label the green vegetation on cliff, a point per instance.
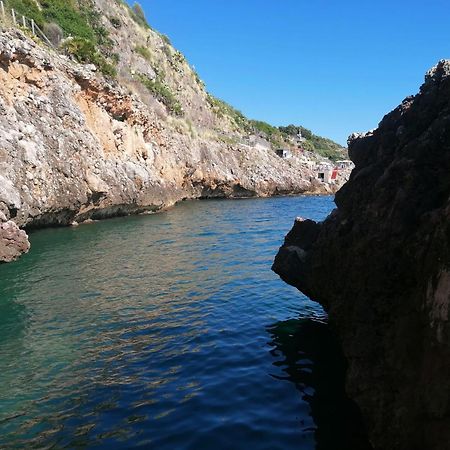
(273, 134)
(280, 136)
(77, 27)
(223, 109)
(136, 12)
(322, 146)
(27, 8)
(144, 52)
(80, 23)
(162, 93)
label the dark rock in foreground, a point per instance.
(380, 265)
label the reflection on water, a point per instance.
(152, 332)
(309, 356)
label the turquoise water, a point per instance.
(169, 332)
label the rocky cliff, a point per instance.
(76, 145)
(380, 265)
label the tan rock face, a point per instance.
(380, 266)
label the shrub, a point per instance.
(106, 68)
(136, 13)
(115, 57)
(178, 57)
(85, 51)
(66, 14)
(102, 36)
(115, 22)
(82, 49)
(293, 130)
(264, 127)
(271, 133)
(139, 16)
(144, 52)
(198, 80)
(162, 93)
(54, 33)
(165, 39)
(222, 109)
(316, 144)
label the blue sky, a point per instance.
(334, 67)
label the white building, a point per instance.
(325, 172)
(345, 164)
(283, 153)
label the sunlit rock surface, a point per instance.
(75, 146)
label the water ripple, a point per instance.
(164, 331)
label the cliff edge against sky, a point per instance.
(117, 122)
(380, 265)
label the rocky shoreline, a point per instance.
(14, 241)
(76, 146)
(380, 266)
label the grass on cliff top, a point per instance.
(68, 14)
(79, 21)
(28, 8)
(223, 109)
(136, 13)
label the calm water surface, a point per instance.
(169, 332)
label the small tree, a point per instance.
(140, 15)
(54, 33)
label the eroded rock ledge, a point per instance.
(380, 265)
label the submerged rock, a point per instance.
(380, 265)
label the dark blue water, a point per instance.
(169, 332)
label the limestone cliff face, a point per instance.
(75, 146)
(380, 265)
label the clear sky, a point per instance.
(332, 66)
